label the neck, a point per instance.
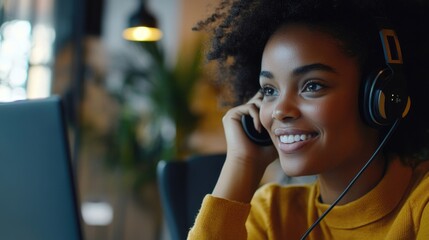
(333, 184)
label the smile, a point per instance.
(295, 138)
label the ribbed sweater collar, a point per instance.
(376, 204)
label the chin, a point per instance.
(295, 167)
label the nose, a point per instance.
(286, 109)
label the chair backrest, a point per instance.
(183, 185)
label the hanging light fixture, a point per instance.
(142, 26)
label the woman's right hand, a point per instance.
(245, 161)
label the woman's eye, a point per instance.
(313, 87)
(268, 91)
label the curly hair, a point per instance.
(240, 30)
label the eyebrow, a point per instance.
(303, 70)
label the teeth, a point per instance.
(294, 138)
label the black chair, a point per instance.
(183, 185)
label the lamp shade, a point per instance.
(142, 26)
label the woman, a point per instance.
(303, 69)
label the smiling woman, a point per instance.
(301, 98)
(330, 81)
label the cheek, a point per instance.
(265, 115)
(334, 113)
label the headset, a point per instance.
(385, 96)
(385, 102)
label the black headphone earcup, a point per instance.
(384, 100)
(369, 101)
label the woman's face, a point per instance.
(310, 103)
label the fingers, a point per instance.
(254, 113)
(254, 105)
(250, 108)
(257, 99)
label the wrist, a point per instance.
(238, 180)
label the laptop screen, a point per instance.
(38, 196)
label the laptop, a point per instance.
(38, 198)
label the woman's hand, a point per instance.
(245, 161)
(239, 146)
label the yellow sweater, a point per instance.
(397, 208)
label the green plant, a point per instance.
(143, 138)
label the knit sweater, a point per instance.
(397, 208)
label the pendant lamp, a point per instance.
(142, 26)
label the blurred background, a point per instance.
(129, 104)
(132, 98)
